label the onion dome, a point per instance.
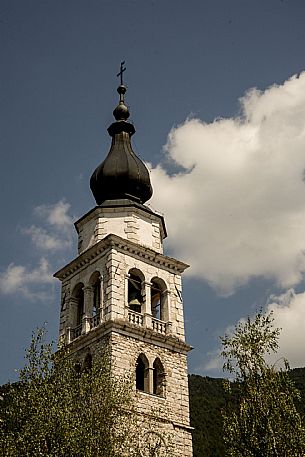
(122, 174)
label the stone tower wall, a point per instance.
(113, 258)
(167, 415)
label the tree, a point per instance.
(261, 420)
(56, 410)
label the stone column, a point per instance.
(165, 312)
(68, 335)
(101, 304)
(88, 303)
(126, 308)
(147, 306)
(149, 380)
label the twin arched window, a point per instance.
(150, 379)
(136, 295)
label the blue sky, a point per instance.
(231, 171)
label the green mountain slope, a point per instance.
(207, 398)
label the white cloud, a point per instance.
(214, 362)
(55, 234)
(59, 232)
(237, 210)
(44, 240)
(56, 214)
(289, 314)
(27, 282)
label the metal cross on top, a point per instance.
(122, 69)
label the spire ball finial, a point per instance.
(122, 89)
(121, 112)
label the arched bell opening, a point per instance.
(95, 283)
(158, 299)
(142, 373)
(158, 378)
(78, 296)
(88, 363)
(135, 290)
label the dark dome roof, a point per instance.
(122, 174)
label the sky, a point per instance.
(216, 91)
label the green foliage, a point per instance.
(297, 375)
(208, 399)
(262, 421)
(55, 411)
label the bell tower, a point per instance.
(121, 290)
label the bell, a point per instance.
(134, 302)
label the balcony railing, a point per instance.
(158, 326)
(76, 332)
(135, 318)
(151, 322)
(94, 321)
(87, 325)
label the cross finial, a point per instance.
(122, 69)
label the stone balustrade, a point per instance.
(95, 320)
(135, 318)
(75, 332)
(158, 326)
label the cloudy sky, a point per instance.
(216, 90)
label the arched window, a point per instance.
(96, 297)
(88, 362)
(77, 368)
(142, 373)
(95, 283)
(158, 378)
(135, 293)
(80, 307)
(78, 295)
(158, 302)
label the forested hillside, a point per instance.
(207, 398)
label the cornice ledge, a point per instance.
(149, 335)
(148, 253)
(115, 241)
(133, 331)
(84, 258)
(183, 426)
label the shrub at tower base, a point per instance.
(56, 411)
(261, 420)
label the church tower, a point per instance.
(121, 289)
